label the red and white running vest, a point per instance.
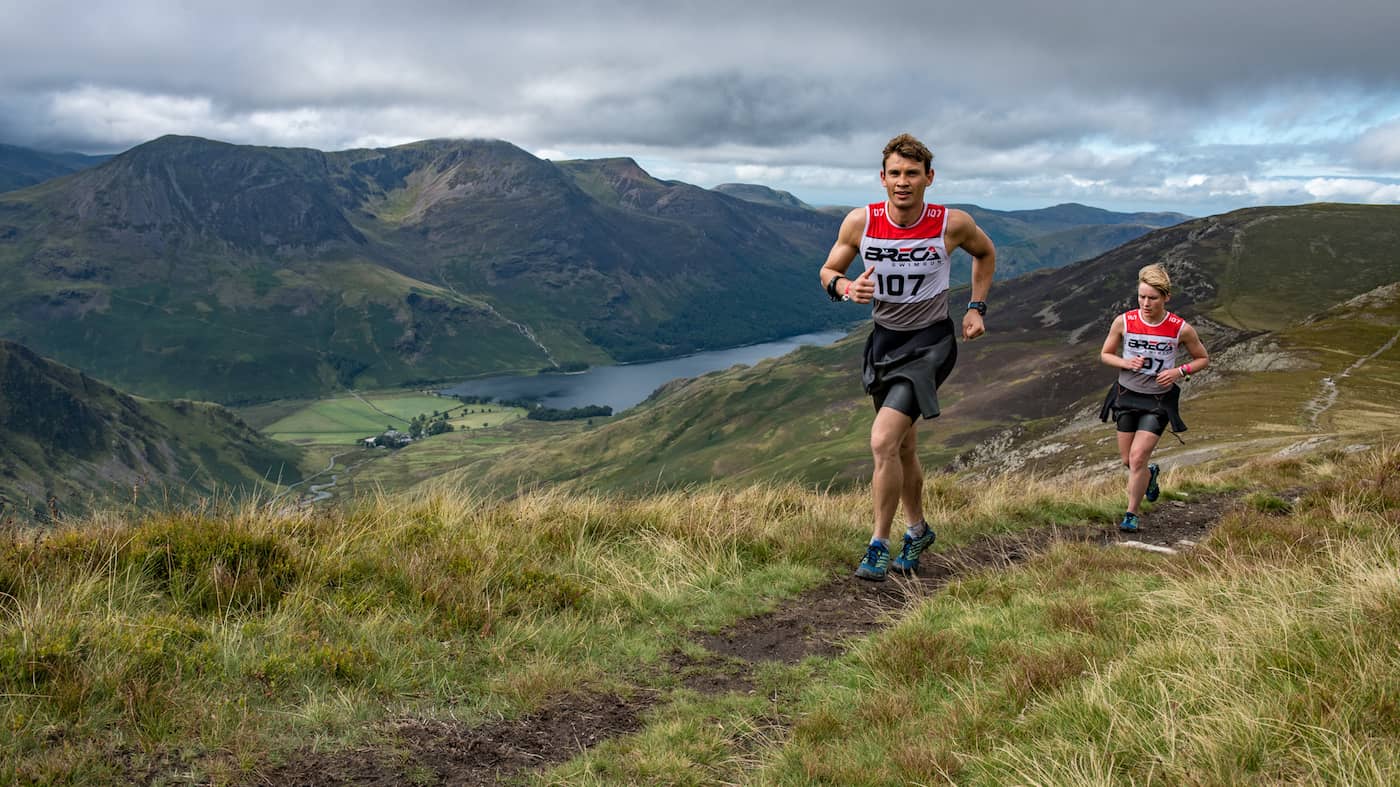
(911, 266)
(1156, 343)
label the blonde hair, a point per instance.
(1155, 275)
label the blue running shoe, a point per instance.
(876, 563)
(1129, 523)
(1152, 489)
(908, 560)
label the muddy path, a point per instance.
(822, 622)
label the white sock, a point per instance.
(918, 529)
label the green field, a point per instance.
(464, 450)
(344, 420)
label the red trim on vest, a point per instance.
(1171, 326)
(930, 225)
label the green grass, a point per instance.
(1266, 657)
(209, 643)
(344, 420)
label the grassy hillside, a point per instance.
(1030, 240)
(1326, 382)
(69, 444)
(804, 417)
(235, 645)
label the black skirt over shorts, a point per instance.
(1125, 400)
(921, 358)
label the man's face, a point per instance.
(905, 181)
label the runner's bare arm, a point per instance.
(845, 249)
(964, 233)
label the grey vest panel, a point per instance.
(910, 316)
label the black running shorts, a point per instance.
(1139, 421)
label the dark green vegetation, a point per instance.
(21, 167)
(1035, 375)
(569, 414)
(186, 267)
(70, 444)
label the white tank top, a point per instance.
(1156, 343)
(911, 267)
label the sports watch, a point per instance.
(980, 306)
(831, 290)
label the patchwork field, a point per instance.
(345, 420)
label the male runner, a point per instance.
(905, 245)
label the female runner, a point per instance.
(1142, 345)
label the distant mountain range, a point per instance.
(69, 443)
(191, 268)
(1029, 240)
(21, 167)
(1026, 240)
(763, 195)
(1240, 278)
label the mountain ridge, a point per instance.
(494, 261)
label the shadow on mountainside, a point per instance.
(819, 622)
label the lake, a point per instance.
(624, 385)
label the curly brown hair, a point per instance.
(908, 147)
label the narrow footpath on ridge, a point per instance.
(822, 621)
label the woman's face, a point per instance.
(1151, 300)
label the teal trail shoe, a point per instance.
(908, 560)
(1153, 491)
(1129, 523)
(876, 563)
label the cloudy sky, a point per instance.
(1196, 106)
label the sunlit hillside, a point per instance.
(387, 641)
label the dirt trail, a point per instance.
(821, 621)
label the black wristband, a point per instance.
(831, 288)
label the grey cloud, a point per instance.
(1005, 91)
(769, 111)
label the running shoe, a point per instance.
(1152, 489)
(876, 563)
(908, 560)
(1129, 523)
